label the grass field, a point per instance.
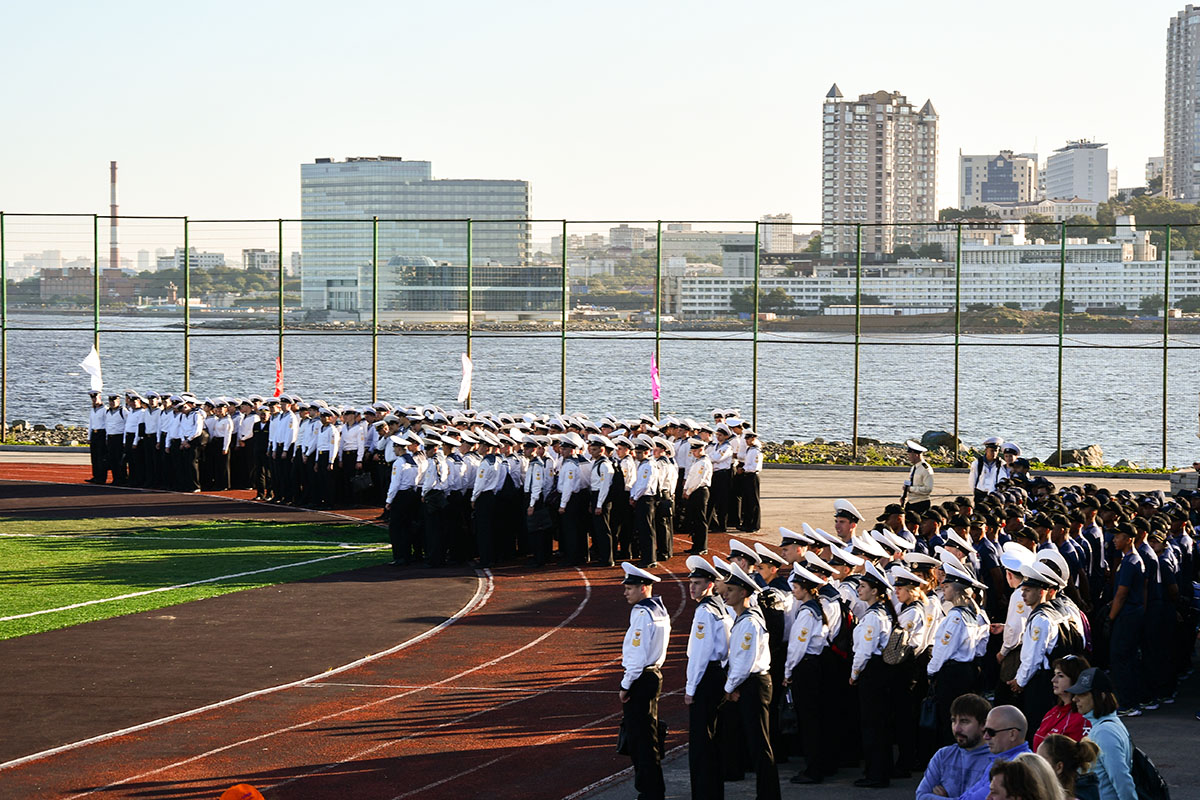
(47, 569)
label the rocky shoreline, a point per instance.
(871, 452)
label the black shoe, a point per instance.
(695, 552)
(867, 783)
(651, 565)
(801, 778)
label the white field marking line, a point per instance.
(453, 688)
(578, 610)
(211, 540)
(483, 592)
(192, 583)
(212, 496)
(549, 690)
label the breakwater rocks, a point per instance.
(21, 432)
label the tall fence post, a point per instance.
(1166, 332)
(857, 327)
(562, 354)
(1062, 327)
(754, 331)
(658, 305)
(470, 293)
(187, 310)
(957, 327)
(374, 308)
(3, 337)
(96, 282)
(279, 349)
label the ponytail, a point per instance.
(1076, 757)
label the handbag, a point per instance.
(622, 740)
(928, 718)
(789, 723)
(1010, 665)
(361, 482)
(898, 648)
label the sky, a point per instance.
(619, 110)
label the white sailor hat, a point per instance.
(788, 536)
(738, 577)
(732, 412)
(694, 443)
(151, 394)
(451, 441)
(903, 577)
(722, 567)
(94, 392)
(898, 541)
(885, 540)
(718, 413)
(873, 575)
(736, 548)
(915, 447)
(398, 440)
(994, 441)
(723, 428)
(1015, 556)
(643, 442)
(920, 561)
(636, 576)
(814, 561)
(823, 537)
(766, 554)
(803, 576)
(702, 569)
(1039, 574)
(868, 546)
(949, 558)
(957, 574)
(844, 508)
(623, 439)
(734, 422)
(646, 419)
(1054, 559)
(468, 437)
(254, 398)
(1012, 447)
(838, 553)
(955, 538)
(667, 447)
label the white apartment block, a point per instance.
(879, 168)
(1080, 169)
(196, 259)
(1057, 210)
(775, 233)
(999, 178)
(1120, 272)
(1181, 130)
(628, 238)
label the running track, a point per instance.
(515, 698)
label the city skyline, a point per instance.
(650, 114)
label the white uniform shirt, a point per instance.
(807, 636)
(709, 640)
(405, 474)
(912, 619)
(721, 455)
(114, 421)
(752, 459)
(601, 483)
(223, 429)
(749, 652)
(668, 475)
(437, 474)
(489, 476)
(628, 467)
(698, 474)
(646, 482)
(956, 638)
(97, 418)
(984, 478)
(535, 479)
(1014, 622)
(568, 480)
(934, 614)
(1041, 636)
(246, 427)
(328, 438)
(920, 482)
(870, 637)
(646, 640)
(132, 420)
(354, 443)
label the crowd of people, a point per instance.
(455, 487)
(1065, 607)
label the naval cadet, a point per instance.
(601, 500)
(953, 669)
(873, 677)
(642, 655)
(696, 485)
(704, 694)
(114, 443)
(752, 463)
(807, 640)
(642, 496)
(918, 486)
(845, 520)
(97, 437)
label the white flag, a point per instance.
(91, 365)
(464, 389)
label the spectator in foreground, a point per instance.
(1071, 760)
(1005, 734)
(1094, 699)
(958, 766)
(1063, 718)
(1026, 777)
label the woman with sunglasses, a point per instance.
(1063, 718)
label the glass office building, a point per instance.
(422, 261)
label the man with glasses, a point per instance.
(1004, 733)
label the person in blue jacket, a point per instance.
(1094, 699)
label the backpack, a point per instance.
(843, 643)
(1147, 779)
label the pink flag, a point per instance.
(655, 386)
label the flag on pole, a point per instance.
(91, 365)
(655, 386)
(278, 376)
(464, 389)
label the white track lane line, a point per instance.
(190, 583)
(578, 610)
(483, 592)
(452, 688)
(549, 690)
(209, 539)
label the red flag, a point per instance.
(278, 376)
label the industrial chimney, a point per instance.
(114, 254)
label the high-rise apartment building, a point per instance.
(775, 233)
(1181, 130)
(1000, 178)
(421, 237)
(627, 238)
(879, 169)
(1154, 168)
(1080, 169)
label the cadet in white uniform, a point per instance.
(642, 496)
(696, 484)
(97, 437)
(807, 640)
(1041, 634)
(918, 486)
(601, 501)
(953, 669)
(752, 462)
(749, 680)
(872, 677)
(642, 655)
(707, 653)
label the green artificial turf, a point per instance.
(63, 562)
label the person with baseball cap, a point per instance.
(642, 655)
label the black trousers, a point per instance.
(751, 513)
(133, 461)
(874, 704)
(641, 732)
(621, 522)
(719, 500)
(643, 523)
(920, 507)
(575, 526)
(402, 525)
(754, 702)
(189, 460)
(485, 543)
(114, 457)
(696, 518)
(258, 472)
(839, 699)
(664, 526)
(602, 540)
(733, 505)
(433, 507)
(704, 758)
(1037, 698)
(820, 754)
(96, 445)
(953, 679)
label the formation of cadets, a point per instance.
(858, 632)
(455, 486)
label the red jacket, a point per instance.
(1061, 719)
